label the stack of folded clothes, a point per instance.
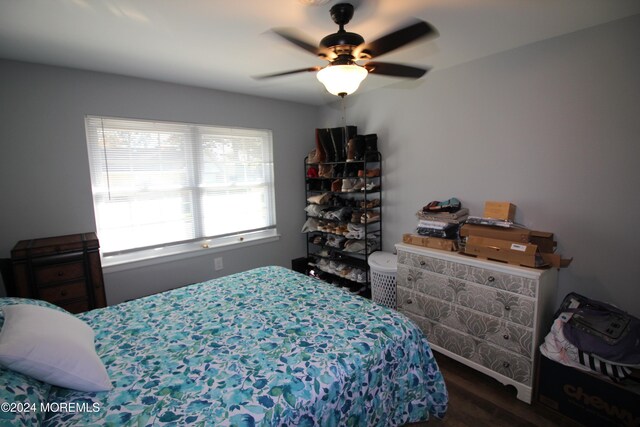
(441, 219)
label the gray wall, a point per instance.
(553, 127)
(44, 173)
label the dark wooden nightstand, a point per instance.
(63, 270)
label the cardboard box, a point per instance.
(521, 235)
(524, 254)
(555, 260)
(431, 242)
(499, 210)
(544, 241)
(588, 399)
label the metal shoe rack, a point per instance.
(335, 252)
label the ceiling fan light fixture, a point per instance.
(342, 80)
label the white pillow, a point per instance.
(51, 346)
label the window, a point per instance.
(162, 183)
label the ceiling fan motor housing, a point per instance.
(342, 42)
(343, 38)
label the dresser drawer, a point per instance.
(509, 306)
(50, 274)
(492, 329)
(67, 291)
(497, 359)
(495, 279)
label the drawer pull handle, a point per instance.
(422, 263)
(63, 293)
(505, 336)
(506, 364)
(491, 279)
(409, 301)
(507, 307)
(409, 279)
(60, 273)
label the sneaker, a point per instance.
(369, 173)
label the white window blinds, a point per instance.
(161, 183)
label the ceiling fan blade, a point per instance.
(394, 40)
(396, 70)
(285, 73)
(298, 39)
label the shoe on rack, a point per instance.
(325, 171)
(359, 184)
(341, 230)
(338, 141)
(311, 224)
(360, 147)
(371, 147)
(351, 150)
(369, 173)
(324, 138)
(336, 185)
(311, 157)
(370, 204)
(369, 217)
(350, 185)
(319, 199)
(370, 187)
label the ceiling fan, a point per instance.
(343, 49)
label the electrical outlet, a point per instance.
(217, 264)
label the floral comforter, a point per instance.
(265, 347)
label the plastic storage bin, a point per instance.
(384, 266)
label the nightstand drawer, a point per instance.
(58, 273)
(60, 293)
(509, 306)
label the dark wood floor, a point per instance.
(478, 400)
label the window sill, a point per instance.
(144, 258)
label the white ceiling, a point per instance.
(221, 44)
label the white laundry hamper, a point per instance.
(384, 266)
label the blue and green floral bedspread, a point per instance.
(265, 347)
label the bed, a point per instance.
(268, 346)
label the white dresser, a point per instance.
(487, 315)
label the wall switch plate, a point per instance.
(217, 264)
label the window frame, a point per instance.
(197, 186)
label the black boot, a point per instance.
(351, 150)
(351, 131)
(324, 137)
(337, 139)
(371, 147)
(340, 137)
(360, 147)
